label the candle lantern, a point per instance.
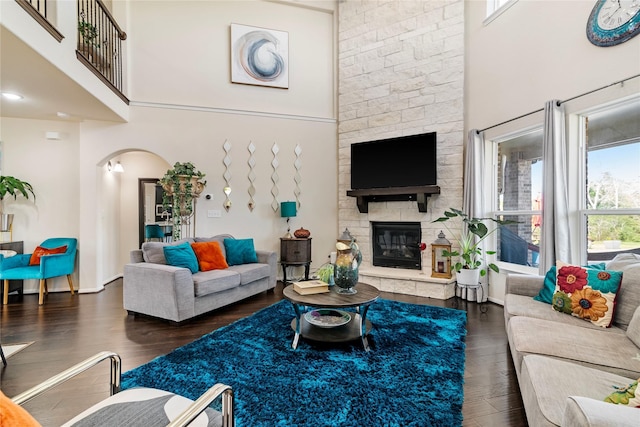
(440, 264)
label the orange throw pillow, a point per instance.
(40, 251)
(12, 415)
(209, 256)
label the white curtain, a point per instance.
(473, 201)
(555, 239)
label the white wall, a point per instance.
(534, 52)
(183, 107)
(50, 166)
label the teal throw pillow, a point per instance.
(549, 287)
(240, 251)
(181, 255)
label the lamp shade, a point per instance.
(287, 209)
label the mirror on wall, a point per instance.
(150, 209)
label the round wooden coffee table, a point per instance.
(357, 327)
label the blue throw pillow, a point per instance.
(549, 287)
(181, 256)
(240, 251)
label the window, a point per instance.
(496, 7)
(519, 197)
(612, 193)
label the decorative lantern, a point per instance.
(440, 264)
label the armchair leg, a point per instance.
(70, 283)
(42, 286)
(5, 293)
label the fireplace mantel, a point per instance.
(419, 194)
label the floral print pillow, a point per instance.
(587, 293)
(629, 395)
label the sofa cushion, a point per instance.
(240, 251)
(209, 256)
(13, 415)
(217, 238)
(546, 384)
(154, 252)
(629, 294)
(210, 282)
(598, 348)
(181, 255)
(586, 293)
(633, 331)
(251, 272)
(522, 305)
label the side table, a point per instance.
(14, 285)
(295, 251)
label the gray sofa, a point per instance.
(566, 366)
(156, 289)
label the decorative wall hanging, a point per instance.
(297, 178)
(251, 176)
(259, 56)
(227, 174)
(274, 177)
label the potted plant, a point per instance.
(89, 33)
(181, 185)
(11, 186)
(471, 255)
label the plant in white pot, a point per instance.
(473, 231)
(12, 186)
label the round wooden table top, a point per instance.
(366, 294)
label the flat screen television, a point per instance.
(404, 161)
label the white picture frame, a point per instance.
(259, 56)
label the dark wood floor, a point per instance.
(68, 329)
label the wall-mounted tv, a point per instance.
(404, 161)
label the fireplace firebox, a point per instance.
(396, 244)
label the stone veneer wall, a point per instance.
(401, 72)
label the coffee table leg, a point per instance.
(296, 307)
(362, 310)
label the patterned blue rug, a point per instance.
(413, 375)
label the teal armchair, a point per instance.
(17, 267)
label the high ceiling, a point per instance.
(45, 89)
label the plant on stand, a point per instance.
(182, 185)
(471, 255)
(11, 186)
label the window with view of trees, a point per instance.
(612, 199)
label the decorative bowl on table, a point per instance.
(327, 317)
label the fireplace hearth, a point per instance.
(396, 244)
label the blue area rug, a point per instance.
(413, 375)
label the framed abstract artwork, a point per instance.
(259, 56)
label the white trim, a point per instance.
(493, 14)
(232, 111)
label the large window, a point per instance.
(519, 196)
(612, 193)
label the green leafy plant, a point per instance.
(181, 185)
(12, 186)
(473, 232)
(89, 33)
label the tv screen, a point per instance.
(404, 161)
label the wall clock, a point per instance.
(613, 22)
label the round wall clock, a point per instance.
(613, 22)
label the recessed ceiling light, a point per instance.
(11, 96)
(62, 115)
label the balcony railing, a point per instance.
(39, 10)
(100, 43)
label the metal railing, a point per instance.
(100, 43)
(39, 10)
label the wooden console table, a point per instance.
(14, 285)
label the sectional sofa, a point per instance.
(567, 366)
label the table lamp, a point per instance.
(287, 210)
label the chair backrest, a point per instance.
(65, 263)
(153, 231)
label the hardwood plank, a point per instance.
(67, 329)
